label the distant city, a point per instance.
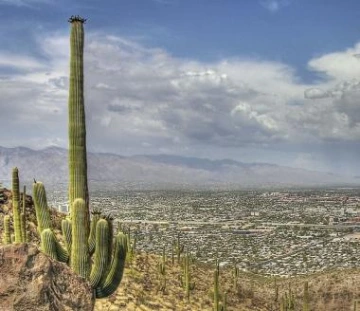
(282, 233)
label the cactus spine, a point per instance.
(16, 205)
(78, 187)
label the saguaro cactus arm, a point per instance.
(101, 254)
(41, 207)
(113, 279)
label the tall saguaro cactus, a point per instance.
(105, 269)
(78, 187)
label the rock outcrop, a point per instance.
(31, 281)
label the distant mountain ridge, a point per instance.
(50, 166)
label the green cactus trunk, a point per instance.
(306, 297)
(41, 207)
(92, 236)
(48, 243)
(109, 285)
(7, 234)
(80, 258)
(66, 229)
(101, 253)
(188, 285)
(216, 291)
(16, 205)
(78, 187)
(23, 227)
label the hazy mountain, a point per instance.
(50, 166)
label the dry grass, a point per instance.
(139, 290)
(329, 291)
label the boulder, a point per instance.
(30, 280)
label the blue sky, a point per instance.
(270, 81)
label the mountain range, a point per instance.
(165, 171)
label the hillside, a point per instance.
(50, 166)
(330, 291)
(140, 288)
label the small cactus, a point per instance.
(16, 205)
(7, 234)
(162, 271)
(189, 286)
(235, 276)
(306, 297)
(179, 248)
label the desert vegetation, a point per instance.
(217, 252)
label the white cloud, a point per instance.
(19, 61)
(274, 5)
(341, 65)
(315, 93)
(140, 98)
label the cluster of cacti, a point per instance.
(105, 273)
(82, 238)
(162, 271)
(288, 301)
(186, 279)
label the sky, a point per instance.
(275, 81)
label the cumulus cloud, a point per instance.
(142, 99)
(315, 93)
(19, 62)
